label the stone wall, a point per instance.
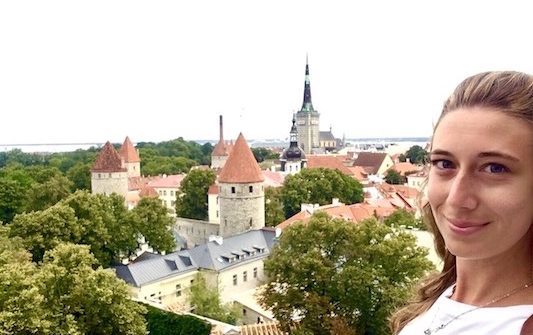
(242, 208)
(195, 232)
(109, 182)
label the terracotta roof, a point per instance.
(371, 161)
(241, 166)
(267, 328)
(213, 189)
(355, 213)
(148, 191)
(108, 160)
(164, 181)
(358, 172)
(128, 152)
(222, 148)
(328, 161)
(404, 168)
(273, 179)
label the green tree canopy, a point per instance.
(66, 294)
(336, 274)
(191, 199)
(394, 178)
(261, 154)
(206, 301)
(416, 154)
(99, 221)
(167, 323)
(401, 218)
(318, 186)
(273, 207)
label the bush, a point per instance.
(166, 323)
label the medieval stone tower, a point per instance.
(241, 195)
(308, 119)
(131, 158)
(108, 174)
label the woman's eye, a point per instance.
(442, 164)
(495, 168)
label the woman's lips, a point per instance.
(463, 227)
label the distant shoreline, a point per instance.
(69, 147)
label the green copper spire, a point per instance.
(307, 105)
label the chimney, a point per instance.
(221, 129)
(217, 239)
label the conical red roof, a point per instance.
(220, 149)
(241, 166)
(108, 160)
(128, 152)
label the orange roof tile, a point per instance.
(170, 181)
(108, 160)
(128, 152)
(241, 166)
(358, 172)
(328, 161)
(273, 179)
(148, 191)
(213, 189)
(404, 168)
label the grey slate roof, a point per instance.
(326, 136)
(234, 250)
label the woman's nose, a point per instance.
(462, 191)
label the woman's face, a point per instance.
(480, 184)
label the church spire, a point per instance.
(307, 105)
(294, 133)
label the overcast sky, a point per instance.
(91, 71)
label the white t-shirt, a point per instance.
(487, 320)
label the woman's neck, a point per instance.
(481, 281)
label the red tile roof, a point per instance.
(148, 191)
(213, 189)
(328, 161)
(222, 148)
(404, 168)
(241, 166)
(108, 160)
(128, 152)
(170, 181)
(273, 179)
(371, 161)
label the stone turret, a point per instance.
(131, 158)
(241, 195)
(108, 174)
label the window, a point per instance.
(217, 214)
(172, 193)
(244, 312)
(192, 281)
(217, 200)
(251, 189)
(165, 192)
(99, 176)
(245, 276)
(110, 175)
(234, 280)
(178, 290)
(255, 272)
(233, 189)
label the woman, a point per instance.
(480, 192)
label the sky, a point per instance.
(91, 71)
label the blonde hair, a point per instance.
(508, 92)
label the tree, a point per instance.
(153, 219)
(167, 323)
(206, 301)
(191, 199)
(48, 193)
(12, 199)
(318, 186)
(401, 218)
(402, 158)
(262, 154)
(393, 177)
(273, 207)
(65, 294)
(416, 154)
(80, 176)
(102, 222)
(336, 274)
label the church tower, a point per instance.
(241, 195)
(131, 158)
(308, 119)
(293, 158)
(108, 174)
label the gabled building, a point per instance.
(231, 265)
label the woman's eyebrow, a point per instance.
(498, 154)
(440, 152)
